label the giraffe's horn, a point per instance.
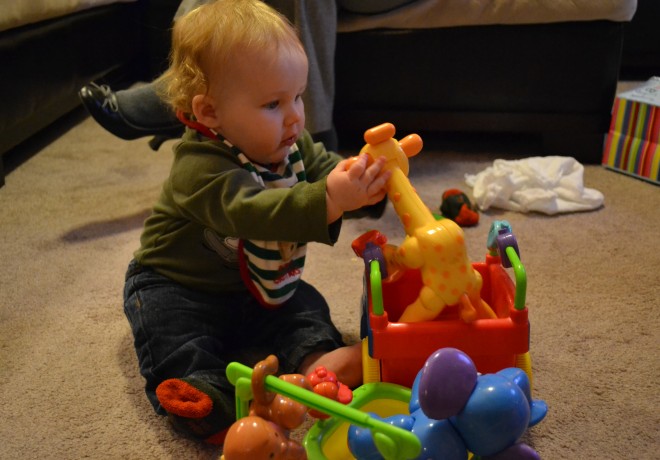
(379, 133)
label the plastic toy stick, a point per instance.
(393, 443)
(376, 288)
(521, 278)
(502, 241)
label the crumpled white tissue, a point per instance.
(550, 185)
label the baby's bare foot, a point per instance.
(346, 362)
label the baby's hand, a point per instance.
(350, 188)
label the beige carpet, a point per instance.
(71, 217)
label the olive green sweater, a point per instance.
(209, 201)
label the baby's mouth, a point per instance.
(289, 141)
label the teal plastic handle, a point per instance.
(393, 443)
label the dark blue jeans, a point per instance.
(181, 332)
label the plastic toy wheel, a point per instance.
(370, 366)
(524, 362)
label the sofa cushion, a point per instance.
(371, 6)
(426, 14)
(16, 14)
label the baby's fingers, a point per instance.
(373, 170)
(380, 180)
(355, 166)
(377, 197)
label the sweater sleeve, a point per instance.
(208, 186)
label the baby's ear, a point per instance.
(203, 108)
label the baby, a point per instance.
(217, 277)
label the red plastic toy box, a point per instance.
(395, 352)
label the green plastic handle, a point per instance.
(375, 280)
(396, 443)
(521, 278)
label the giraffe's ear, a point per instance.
(411, 145)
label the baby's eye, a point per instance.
(272, 105)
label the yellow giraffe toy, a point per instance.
(435, 247)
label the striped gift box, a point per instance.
(632, 145)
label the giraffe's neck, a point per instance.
(411, 210)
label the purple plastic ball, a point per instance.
(516, 452)
(447, 380)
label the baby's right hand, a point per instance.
(360, 184)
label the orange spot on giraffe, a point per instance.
(406, 219)
(396, 197)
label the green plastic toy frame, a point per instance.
(393, 443)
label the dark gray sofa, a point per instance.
(44, 64)
(554, 81)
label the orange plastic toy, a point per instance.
(263, 435)
(434, 247)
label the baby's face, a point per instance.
(260, 107)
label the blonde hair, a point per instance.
(210, 36)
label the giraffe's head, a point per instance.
(381, 143)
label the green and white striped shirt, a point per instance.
(272, 269)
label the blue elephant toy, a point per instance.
(454, 410)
